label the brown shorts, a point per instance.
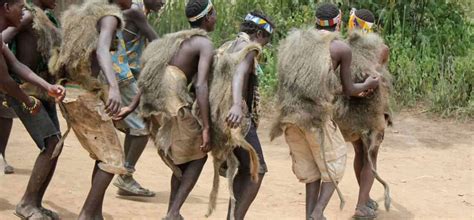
(94, 129)
(305, 150)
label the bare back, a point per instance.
(190, 54)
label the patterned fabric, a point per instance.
(330, 22)
(356, 22)
(120, 59)
(262, 23)
(136, 46)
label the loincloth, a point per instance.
(94, 129)
(307, 155)
(177, 132)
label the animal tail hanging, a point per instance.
(215, 188)
(387, 199)
(322, 138)
(232, 164)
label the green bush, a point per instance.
(431, 43)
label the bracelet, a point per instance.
(32, 108)
(5, 104)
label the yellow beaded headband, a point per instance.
(355, 21)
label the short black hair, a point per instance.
(193, 8)
(250, 27)
(327, 11)
(365, 15)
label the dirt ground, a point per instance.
(427, 162)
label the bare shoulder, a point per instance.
(202, 42)
(339, 48)
(134, 14)
(26, 19)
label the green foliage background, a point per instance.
(431, 43)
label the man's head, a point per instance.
(46, 4)
(12, 11)
(201, 14)
(328, 17)
(258, 26)
(154, 5)
(361, 19)
(123, 4)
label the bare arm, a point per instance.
(23, 71)
(142, 24)
(243, 69)
(10, 33)
(342, 54)
(202, 90)
(107, 26)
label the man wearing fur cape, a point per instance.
(362, 120)
(175, 100)
(32, 43)
(84, 64)
(308, 62)
(234, 114)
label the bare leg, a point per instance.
(366, 178)
(358, 158)
(41, 175)
(95, 198)
(175, 183)
(327, 189)
(245, 192)
(312, 194)
(188, 180)
(5, 127)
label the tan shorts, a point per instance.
(94, 129)
(305, 150)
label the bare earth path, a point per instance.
(427, 162)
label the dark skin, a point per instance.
(362, 169)
(107, 26)
(194, 57)
(245, 190)
(319, 193)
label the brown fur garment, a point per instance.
(356, 116)
(225, 139)
(48, 35)
(307, 82)
(366, 118)
(80, 35)
(155, 59)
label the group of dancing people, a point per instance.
(106, 69)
